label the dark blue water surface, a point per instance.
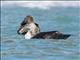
(15, 47)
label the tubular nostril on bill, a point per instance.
(21, 31)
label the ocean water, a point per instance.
(15, 47)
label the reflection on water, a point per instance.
(35, 49)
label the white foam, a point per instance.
(41, 4)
